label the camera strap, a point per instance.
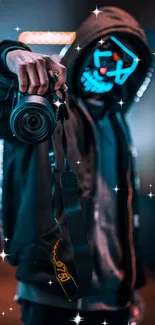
(76, 226)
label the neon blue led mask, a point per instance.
(109, 65)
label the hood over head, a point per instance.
(112, 21)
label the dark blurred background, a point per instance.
(66, 15)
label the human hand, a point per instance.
(33, 71)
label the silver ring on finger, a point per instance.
(56, 75)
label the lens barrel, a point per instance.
(33, 119)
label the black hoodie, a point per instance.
(110, 21)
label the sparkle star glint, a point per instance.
(78, 162)
(121, 102)
(17, 29)
(116, 189)
(137, 59)
(78, 48)
(97, 12)
(6, 239)
(57, 103)
(105, 323)
(77, 319)
(150, 195)
(50, 283)
(3, 313)
(3, 255)
(101, 41)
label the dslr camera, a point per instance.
(33, 118)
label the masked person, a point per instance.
(90, 250)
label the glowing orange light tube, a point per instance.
(47, 37)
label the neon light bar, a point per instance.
(47, 37)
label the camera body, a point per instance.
(33, 117)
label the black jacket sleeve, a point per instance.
(5, 47)
(8, 80)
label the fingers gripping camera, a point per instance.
(33, 118)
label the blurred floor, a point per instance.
(148, 294)
(12, 310)
(7, 293)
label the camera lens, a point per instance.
(31, 121)
(33, 124)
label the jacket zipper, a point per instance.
(130, 211)
(130, 214)
(130, 193)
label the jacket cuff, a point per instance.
(4, 53)
(5, 47)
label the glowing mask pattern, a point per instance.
(109, 67)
